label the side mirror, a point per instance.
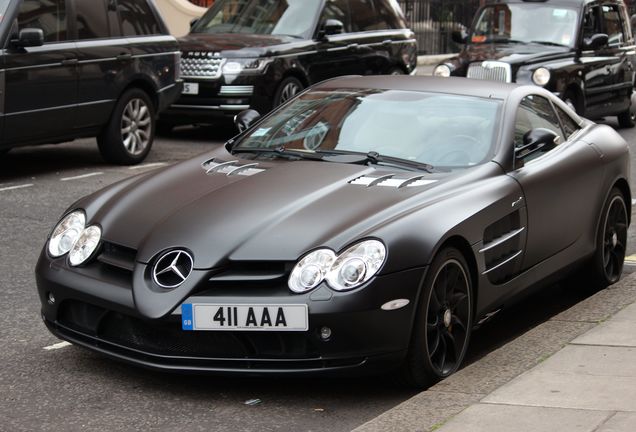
(332, 27)
(193, 21)
(536, 140)
(595, 41)
(245, 119)
(459, 37)
(29, 37)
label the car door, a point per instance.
(607, 69)
(555, 183)
(103, 56)
(40, 82)
(335, 54)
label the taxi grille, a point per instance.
(200, 65)
(490, 70)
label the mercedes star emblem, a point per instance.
(172, 269)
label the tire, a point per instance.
(287, 89)
(627, 119)
(129, 134)
(443, 322)
(611, 238)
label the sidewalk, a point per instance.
(580, 376)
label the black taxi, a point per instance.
(260, 53)
(582, 50)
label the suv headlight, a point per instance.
(348, 270)
(245, 65)
(541, 76)
(442, 70)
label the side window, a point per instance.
(364, 17)
(535, 112)
(48, 15)
(338, 10)
(387, 16)
(591, 22)
(613, 25)
(92, 19)
(569, 125)
(137, 18)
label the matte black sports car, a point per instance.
(368, 224)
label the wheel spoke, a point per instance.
(435, 345)
(457, 323)
(451, 346)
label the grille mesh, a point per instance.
(200, 65)
(489, 70)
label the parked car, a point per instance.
(324, 239)
(581, 50)
(85, 68)
(260, 53)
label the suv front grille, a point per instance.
(201, 65)
(490, 70)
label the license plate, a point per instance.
(244, 317)
(190, 88)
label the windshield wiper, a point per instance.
(548, 43)
(378, 159)
(281, 152)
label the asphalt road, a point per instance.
(44, 386)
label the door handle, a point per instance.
(124, 57)
(353, 47)
(387, 42)
(70, 62)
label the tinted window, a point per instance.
(613, 25)
(536, 112)
(591, 22)
(339, 10)
(92, 19)
(569, 125)
(364, 16)
(48, 15)
(389, 14)
(137, 18)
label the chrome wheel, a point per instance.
(614, 238)
(136, 126)
(448, 316)
(290, 90)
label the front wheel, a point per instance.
(287, 89)
(128, 136)
(443, 322)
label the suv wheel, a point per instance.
(128, 136)
(287, 89)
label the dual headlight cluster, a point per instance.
(342, 272)
(540, 76)
(72, 236)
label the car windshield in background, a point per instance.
(526, 23)
(438, 129)
(276, 17)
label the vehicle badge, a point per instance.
(172, 268)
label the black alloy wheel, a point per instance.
(129, 134)
(443, 323)
(611, 240)
(287, 89)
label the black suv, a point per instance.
(84, 68)
(582, 50)
(259, 53)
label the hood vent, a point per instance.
(395, 181)
(230, 168)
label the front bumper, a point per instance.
(100, 315)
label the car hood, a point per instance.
(514, 54)
(238, 45)
(276, 210)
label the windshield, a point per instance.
(526, 22)
(438, 129)
(276, 17)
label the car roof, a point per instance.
(450, 85)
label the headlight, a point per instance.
(311, 270)
(66, 233)
(246, 65)
(541, 76)
(85, 245)
(442, 70)
(350, 269)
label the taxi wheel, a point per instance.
(443, 323)
(627, 119)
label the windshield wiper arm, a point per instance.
(377, 159)
(280, 151)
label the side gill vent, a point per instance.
(396, 181)
(230, 168)
(502, 249)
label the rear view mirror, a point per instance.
(245, 119)
(333, 26)
(595, 41)
(29, 37)
(536, 140)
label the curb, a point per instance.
(431, 408)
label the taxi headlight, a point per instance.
(442, 70)
(541, 76)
